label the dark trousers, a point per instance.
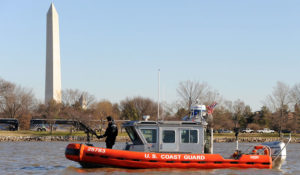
(109, 145)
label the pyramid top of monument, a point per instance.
(51, 9)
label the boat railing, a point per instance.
(249, 150)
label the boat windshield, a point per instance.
(133, 136)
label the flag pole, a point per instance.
(158, 94)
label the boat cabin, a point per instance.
(168, 136)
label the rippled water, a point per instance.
(49, 158)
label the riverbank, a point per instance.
(126, 139)
(29, 136)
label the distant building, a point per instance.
(82, 102)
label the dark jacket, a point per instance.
(111, 132)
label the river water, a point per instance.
(48, 158)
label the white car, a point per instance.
(265, 130)
(247, 130)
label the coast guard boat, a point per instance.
(174, 144)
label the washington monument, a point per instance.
(53, 77)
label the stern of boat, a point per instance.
(278, 152)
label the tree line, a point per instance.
(280, 109)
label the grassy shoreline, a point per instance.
(81, 133)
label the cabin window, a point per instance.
(189, 136)
(133, 136)
(169, 136)
(150, 135)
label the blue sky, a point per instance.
(113, 49)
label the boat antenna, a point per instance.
(158, 94)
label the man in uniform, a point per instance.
(110, 133)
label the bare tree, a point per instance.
(295, 98)
(279, 100)
(233, 114)
(72, 96)
(213, 96)
(14, 99)
(16, 102)
(238, 111)
(6, 88)
(295, 94)
(279, 97)
(170, 110)
(190, 91)
(228, 105)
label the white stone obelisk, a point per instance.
(53, 77)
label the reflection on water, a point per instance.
(116, 171)
(48, 158)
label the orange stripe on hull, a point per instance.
(96, 156)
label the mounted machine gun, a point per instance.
(88, 131)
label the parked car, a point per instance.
(247, 130)
(265, 130)
(286, 131)
(224, 131)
